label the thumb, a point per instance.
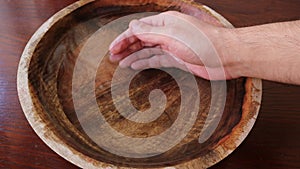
(149, 33)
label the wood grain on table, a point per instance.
(274, 141)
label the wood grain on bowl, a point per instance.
(45, 91)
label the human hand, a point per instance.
(173, 39)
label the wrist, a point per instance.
(228, 46)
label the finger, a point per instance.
(148, 25)
(152, 62)
(142, 54)
(122, 42)
(148, 33)
(128, 51)
(164, 37)
(158, 61)
(127, 37)
(167, 61)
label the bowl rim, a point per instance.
(250, 108)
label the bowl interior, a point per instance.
(50, 78)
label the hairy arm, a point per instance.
(270, 52)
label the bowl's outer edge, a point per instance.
(28, 105)
(83, 161)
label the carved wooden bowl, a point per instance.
(45, 88)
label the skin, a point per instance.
(173, 39)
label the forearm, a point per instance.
(270, 52)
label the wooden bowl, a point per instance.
(45, 91)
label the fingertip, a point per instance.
(115, 45)
(111, 58)
(114, 58)
(120, 42)
(111, 46)
(133, 23)
(123, 64)
(135, 66)
(114, 48)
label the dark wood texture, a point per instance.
(274, 141)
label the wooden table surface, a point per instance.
(273, 143)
